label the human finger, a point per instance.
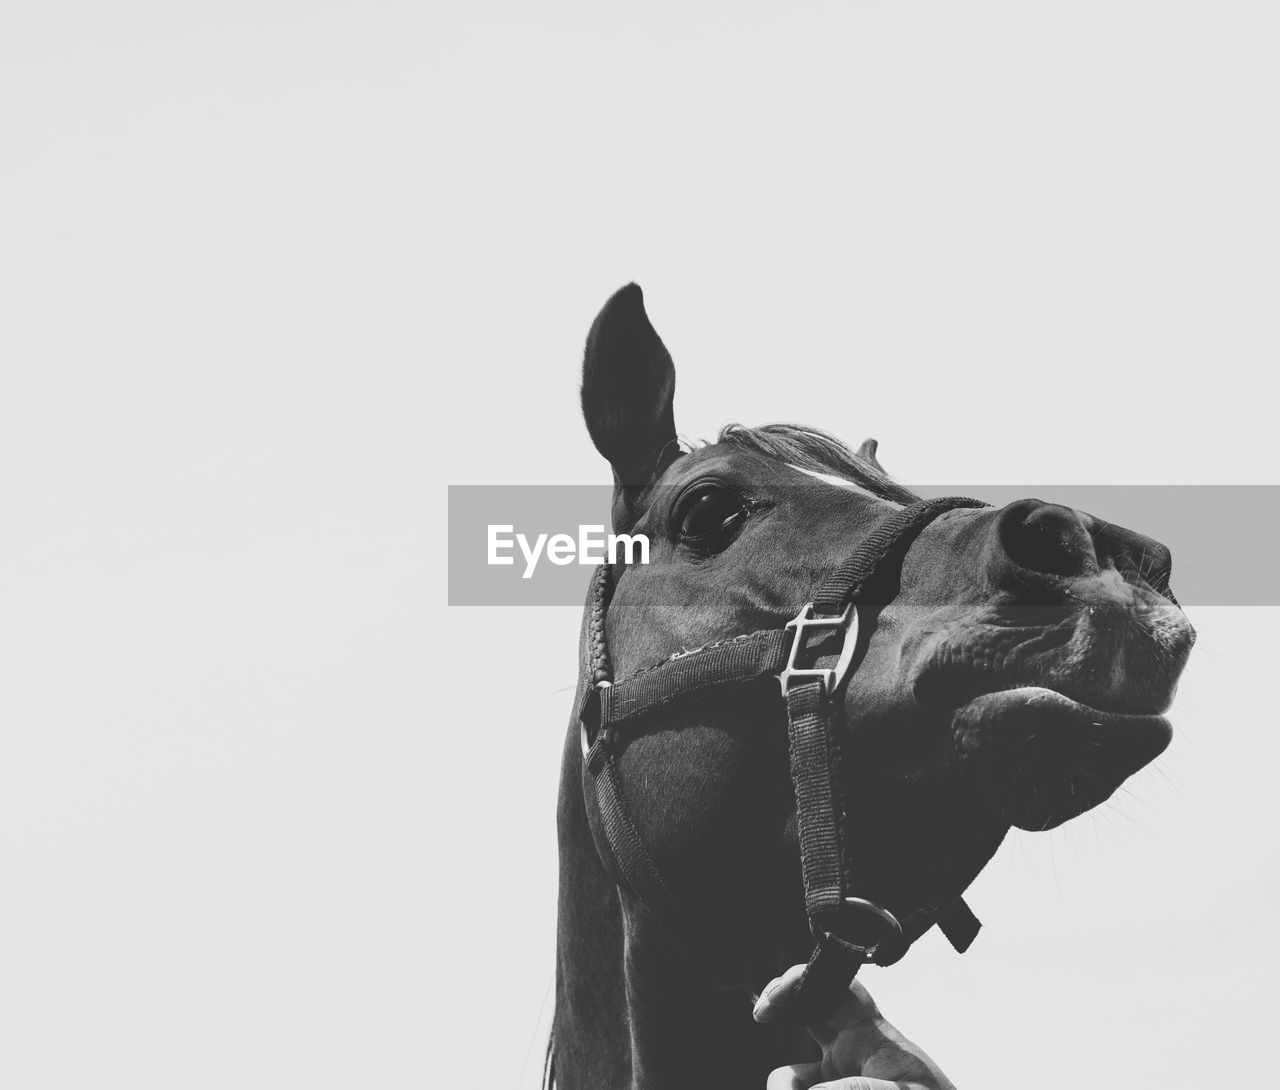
(861, 1082)
(794, 1077)
(776, 994)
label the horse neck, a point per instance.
(631, 1010)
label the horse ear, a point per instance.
(867, 452)
(628, 386)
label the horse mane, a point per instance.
(819, 452)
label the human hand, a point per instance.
(861, 1050)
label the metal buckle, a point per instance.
(880, 915)
(799, 625)
(593, 697)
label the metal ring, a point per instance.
(870, 950)
(593, 695)
(878, 911)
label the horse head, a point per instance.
(1016, 677)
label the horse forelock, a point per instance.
(816, 452)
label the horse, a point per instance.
(1012, 669)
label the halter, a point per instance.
(849, 931)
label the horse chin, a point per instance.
(1044, 758)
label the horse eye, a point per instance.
(709, 514)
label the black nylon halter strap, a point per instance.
(846, 940)
(848, 931)
(870, 575)
(743, 659)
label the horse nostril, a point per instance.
(1043, 537)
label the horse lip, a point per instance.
(1118, 657)
(1022, 696)
(1044, 757)
(948, 688)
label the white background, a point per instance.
(271, 814)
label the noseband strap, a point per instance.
(849, 931)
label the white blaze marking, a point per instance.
(839, 482)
